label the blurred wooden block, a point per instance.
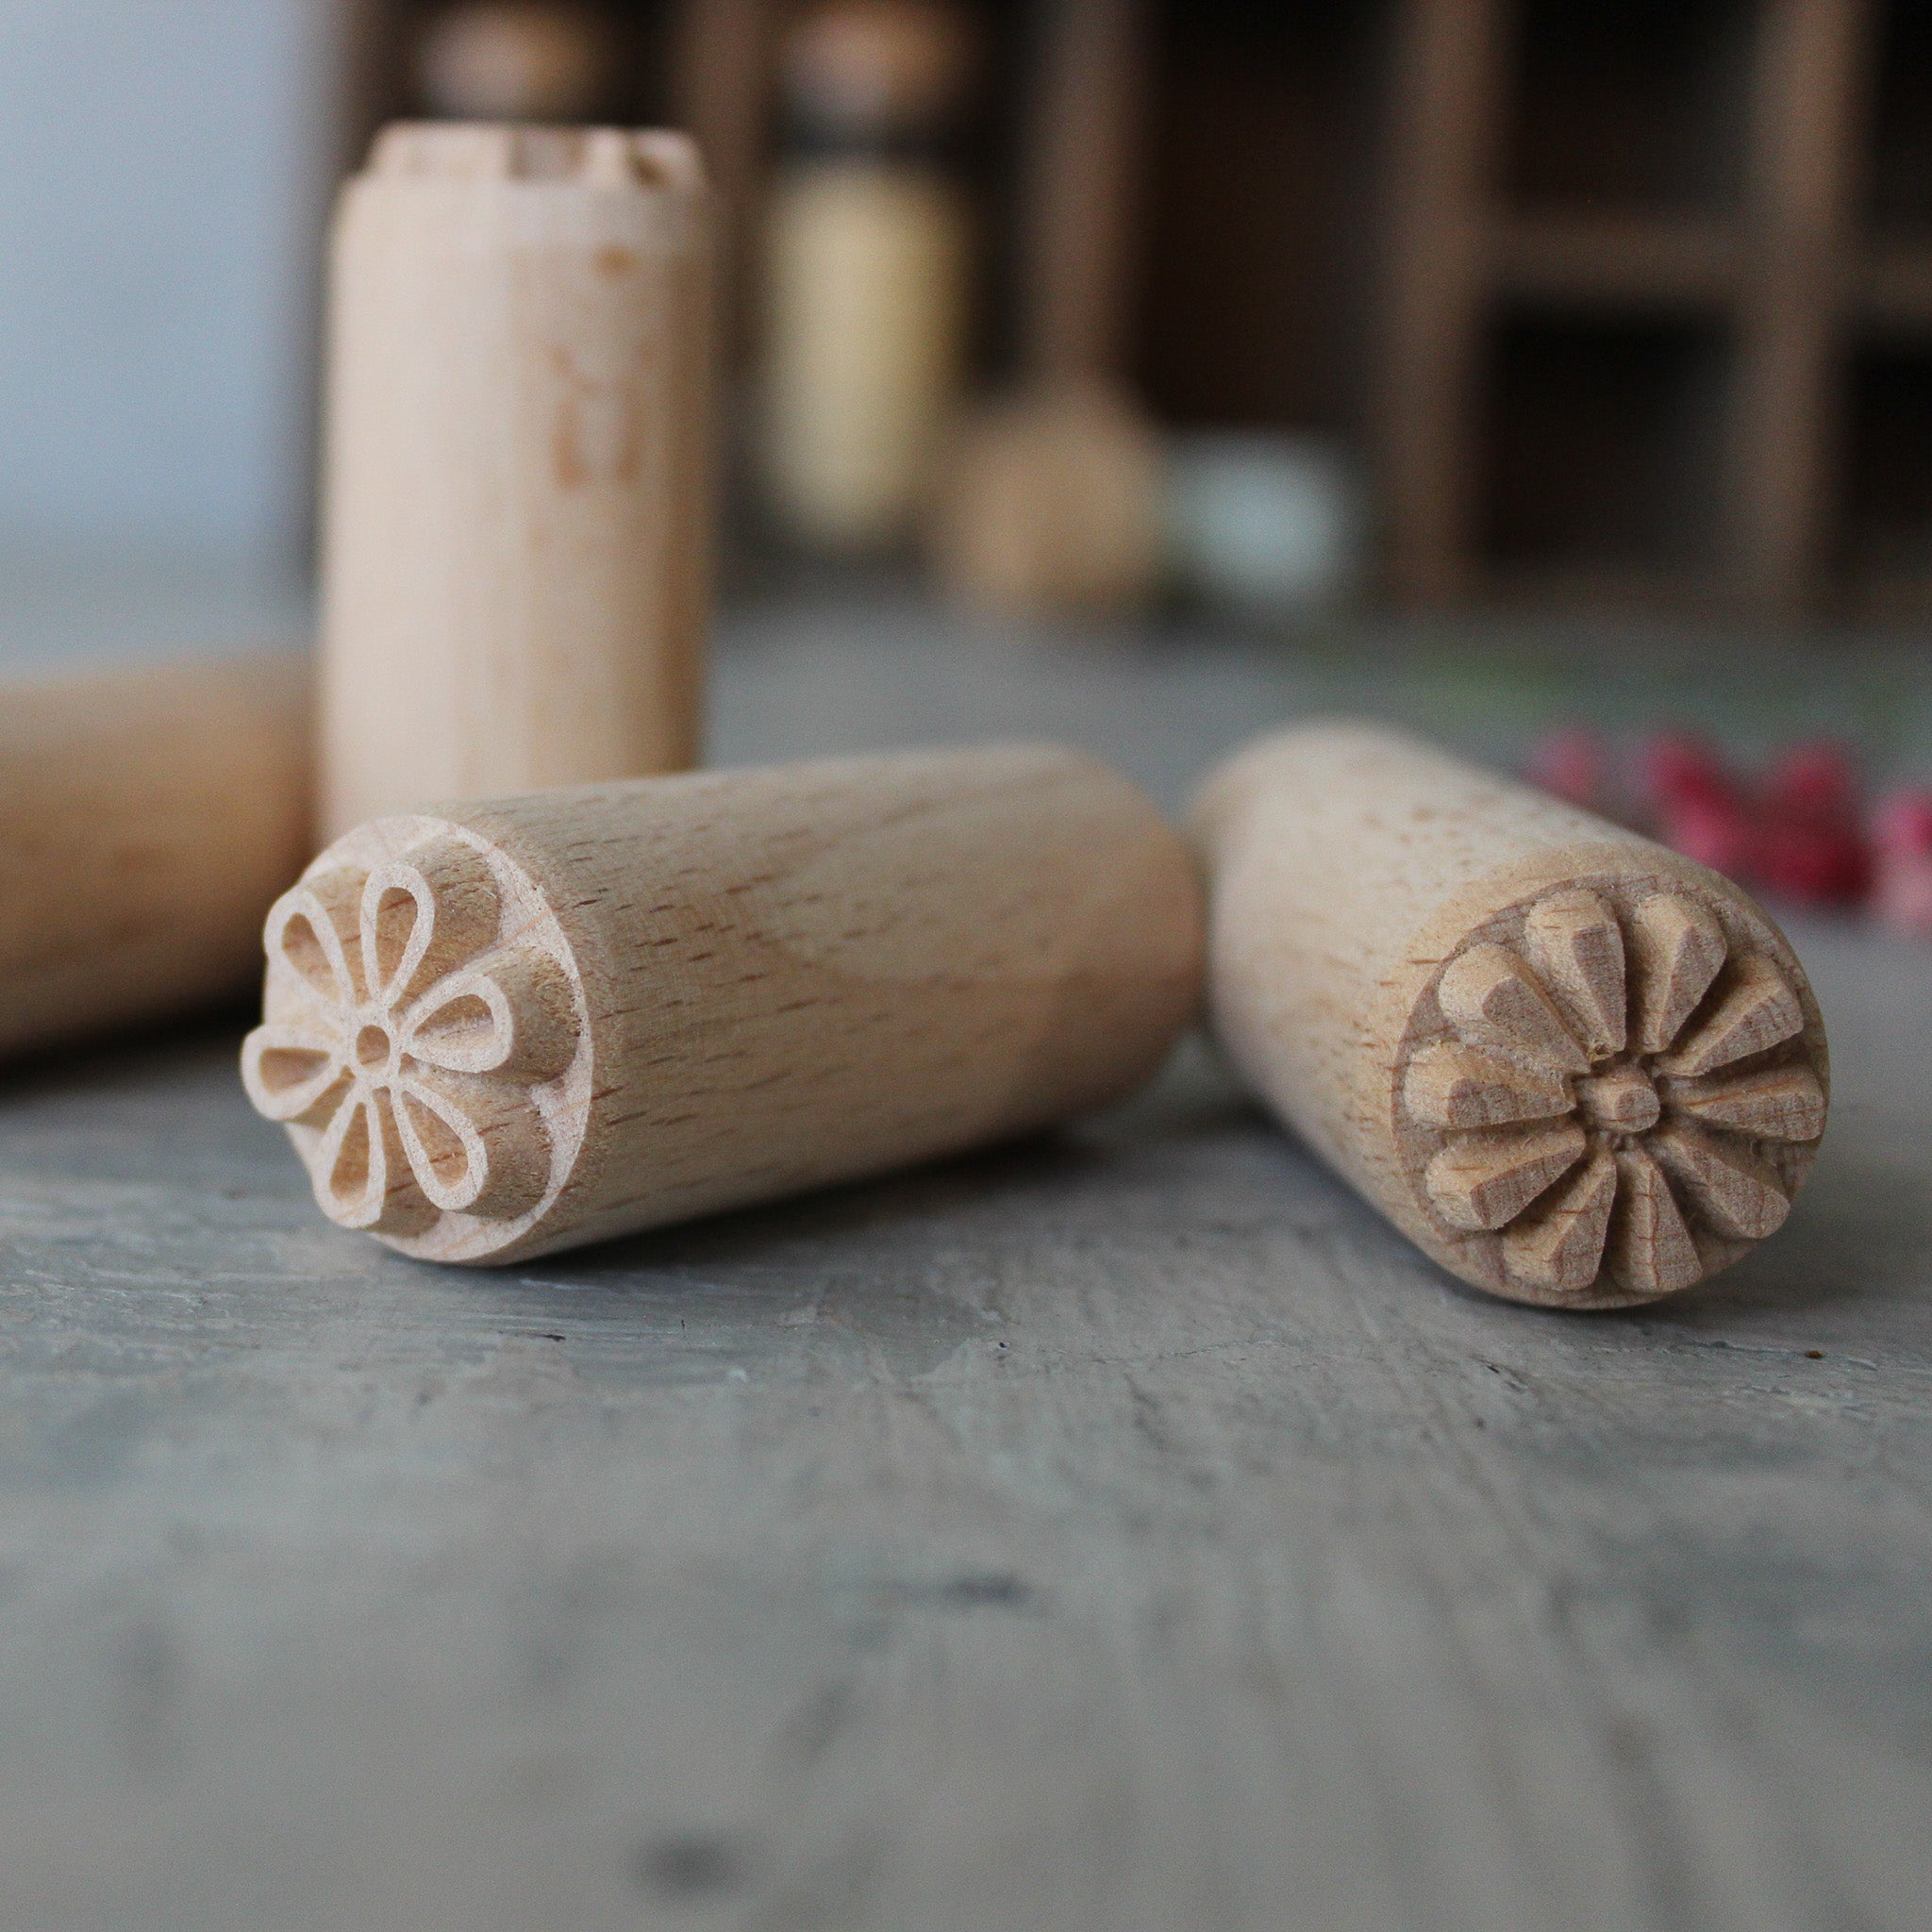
(1053, 501)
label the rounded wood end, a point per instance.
(874, 66)
(1608, 1092)
(425, 1039)
(646, 159)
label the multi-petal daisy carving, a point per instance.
(408, 1037)
(1619, 1089)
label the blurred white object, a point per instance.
(516, 61)
(1266, 524)
(166, 171)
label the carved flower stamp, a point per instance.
(421, 1023)
(1618, 1089)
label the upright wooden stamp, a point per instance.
(517, 503)
(1573, 1067)
(499, 1029)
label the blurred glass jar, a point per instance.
(868, 268)
(1265, 524)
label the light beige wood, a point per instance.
(867, 279)
(514, 1026)
(517, 497)
(1052, 497)
(1053, 503)
(868, 270)
(147, 819)
(1574, 1068)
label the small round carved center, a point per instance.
(1622, 1101)
(372, 1046)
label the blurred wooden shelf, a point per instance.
(1580, 588)
(1635, 262)
(1634, 266)
(1893, 286)
(1890, 600)
(1649, 278)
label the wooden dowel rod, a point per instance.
(1053, 498)
(147, 820)
(1448, 61)
(500, 1029)
(722, 87)
(517, 514)
(1810, 77)
(1574, 1068)
(1084, 143)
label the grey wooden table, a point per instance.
(1124, 1530)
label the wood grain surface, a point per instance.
(516, 1026)
(149, 815)
(516, 490)
(1574, 1068)
(1121, 1530)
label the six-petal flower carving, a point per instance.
(405, 1036)
(1616, 1092)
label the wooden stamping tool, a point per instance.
(1052, 495)
(1574, 1068)
(868, 269)
(147, 820)
(503, 1028)
(517, 503)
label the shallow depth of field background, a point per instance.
(1603, 480)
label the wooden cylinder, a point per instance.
(148, 818)
(1051, 499)
(517, 503)
(504, 1029)
(1574, 1068)
(1052, 504)
(866, 337)
(868, 269)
